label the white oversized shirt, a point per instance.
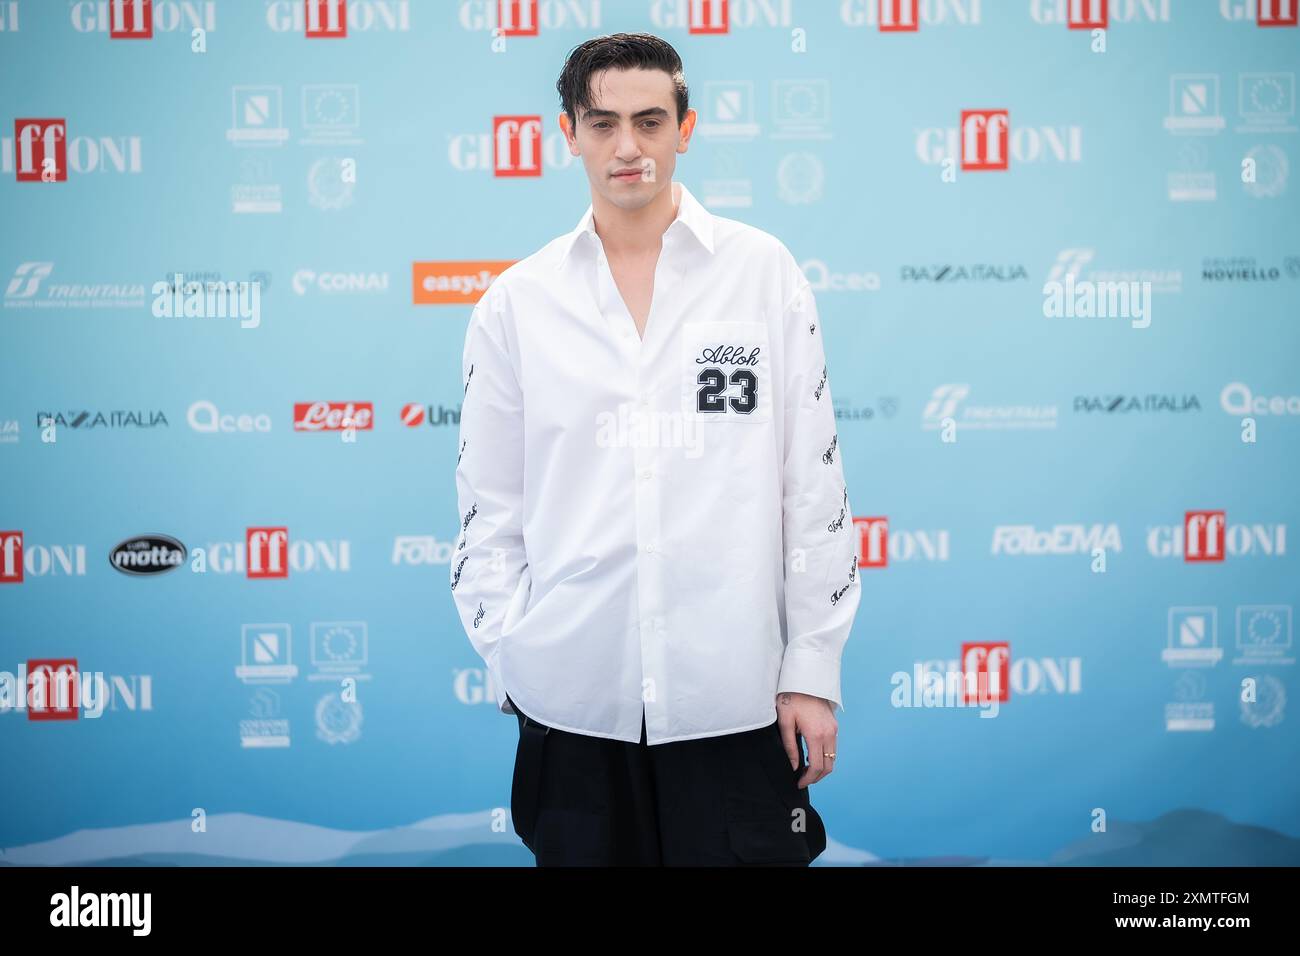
(655, 525)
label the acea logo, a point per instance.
(148, 554)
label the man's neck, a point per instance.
(628, 233)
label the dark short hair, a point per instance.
(620, 51)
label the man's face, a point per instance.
(629, 139)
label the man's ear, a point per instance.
(569, 133)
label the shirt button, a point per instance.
(649, 547)
(645, 474)
(645, 399)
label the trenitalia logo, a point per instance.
(38, 560)
(1265, 13)
(877, 546)
(454, 283)
(40, 151)
(333, 416)
(947, 408)
(333, 19)
(1206, 536)
(719, 16)
(907, 16)
(524, 18)
(138, 19)
(985, 140)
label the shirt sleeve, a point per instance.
(822, 589)
(489, 564)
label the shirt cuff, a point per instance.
(809, 672)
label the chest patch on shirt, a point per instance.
(727, 372)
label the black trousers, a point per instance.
(730, 800)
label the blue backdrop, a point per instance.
(1059, 269)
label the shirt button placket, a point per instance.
(650, 555)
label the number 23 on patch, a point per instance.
(727, 376)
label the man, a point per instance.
(657, 559)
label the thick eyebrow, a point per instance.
(656, 111)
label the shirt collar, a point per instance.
(691, 216)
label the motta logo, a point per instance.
(138, 19)
(876, 545)
(148, 554)
(38, 560)
(333, 416)
(516, 145)
(41, 152)
(335, 19)
(906, 16)
(454, 283)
